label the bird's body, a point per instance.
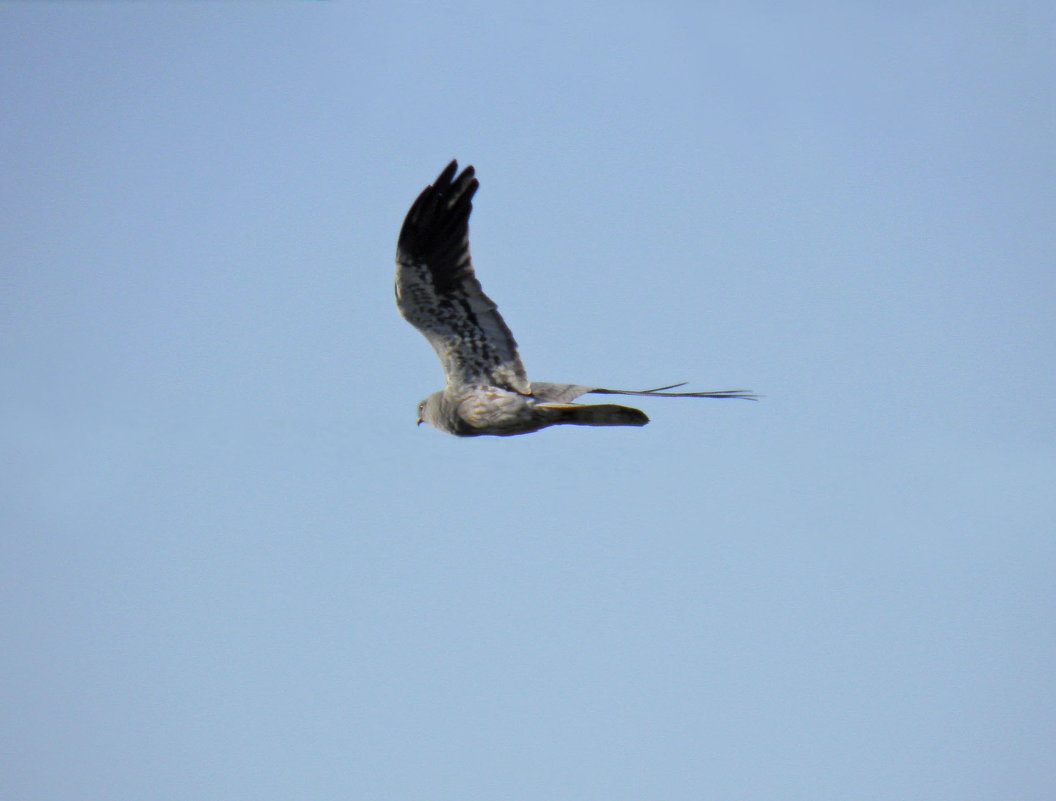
(487, 390)
(472, 411)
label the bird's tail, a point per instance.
(603, 414)
(662, 392)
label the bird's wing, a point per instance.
(438, 293)
(564, 393)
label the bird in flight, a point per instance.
(487, 390)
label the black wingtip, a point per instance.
(457, 193)
(444, 178)
(436, 229)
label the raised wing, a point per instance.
(438, 293)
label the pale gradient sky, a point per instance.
(232, 567)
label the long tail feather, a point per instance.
(661, 392)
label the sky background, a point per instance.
(232, 567)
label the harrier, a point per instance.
(487, 389)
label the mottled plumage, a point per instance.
(487, 389)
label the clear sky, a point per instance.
(232, 567)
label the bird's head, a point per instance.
(429, 411)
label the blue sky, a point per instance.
(232, 567)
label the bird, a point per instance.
(487, 391)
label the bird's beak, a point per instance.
(420, 421)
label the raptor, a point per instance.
(487, 389)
